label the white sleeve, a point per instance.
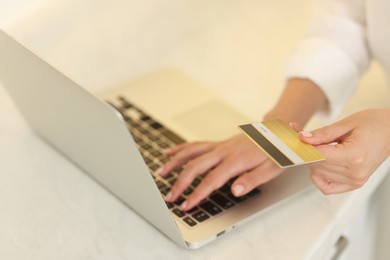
(334, 53)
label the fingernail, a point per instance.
(183, 206)
(168, 197)
(306, 134)
(238, 190)
(160, 170)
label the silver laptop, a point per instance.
(117, 138)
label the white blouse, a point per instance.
(339, 45)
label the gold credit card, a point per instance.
(281, 143)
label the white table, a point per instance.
(51, 210)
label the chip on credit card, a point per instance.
(281, 143)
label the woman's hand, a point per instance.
(354, 148)
(219, 161)
(238, 156)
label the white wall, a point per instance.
(13, 11)
(383, 249)
(224, 44)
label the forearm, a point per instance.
(300, 99)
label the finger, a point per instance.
(328, 187)
(227, 169)
(181, 147)
(296, 126)
(186, 154)
(346, 163)
(195, 168)
(325, 135)
(205, 188)
(250, 180)
(176, 149)
(211, 182)
(329, 166)
(335, 154)
(337, 174)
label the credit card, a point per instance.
(281, 143)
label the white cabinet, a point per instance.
(383, 236)
(366, 234)
(352, 238)
(358, 240)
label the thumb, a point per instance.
(324, 135)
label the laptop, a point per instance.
(118, 138)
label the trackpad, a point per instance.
(215, 120)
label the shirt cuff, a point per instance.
(328, 66)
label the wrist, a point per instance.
(387, 126)
(300, 100)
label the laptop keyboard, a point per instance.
(152, 139)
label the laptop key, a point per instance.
(253, 192)
(164, 190)
(146, 146)
(156, 125)
(172, 181)
(210, 208)
(125, 103)
(169, 205)
(160, 184)
(178, 212)
(189, 221)
(188, 191)
(222, 201)
(245, 197)
(196, 182)
(180, 200)
(145, 118)
(238, 199)
(147, 160)
(193, 210)
(133, 114)
(152, 137)
(168, 176)
(155, 153)
(154, 166)
(200, 216)
(173, 137)
(163, 145)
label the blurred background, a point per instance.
(236, 48)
